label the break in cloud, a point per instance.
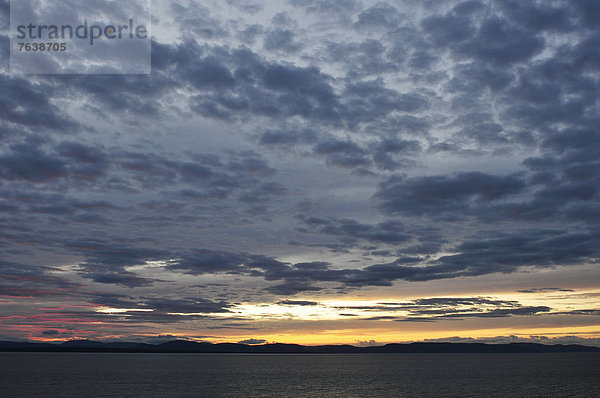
(281, 155)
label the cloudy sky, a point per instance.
(312, 171)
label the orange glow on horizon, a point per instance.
(353, 336)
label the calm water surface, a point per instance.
(282, 375)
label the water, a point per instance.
(282, 375)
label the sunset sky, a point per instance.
(312, 171)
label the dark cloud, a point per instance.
(122, 278)
(508, 253)
(280, 92)
(208, 262)
(263, 193)
(252, 341)
(107, 255)
(186, 306)
(473, 78)
(197, 19)
(342, 9)
(441, 301)
(297, 302)
(588, 11)
(133, 312)
(288, 137)
(545, 290)
(292, 287)
(245, 175)
(248, 6)
(540, 16)
(250, 34)
(499, 42)
(432, 309)
(444, 195)
(449, 29)
(363, 59)
(30, 164)
(249, 85)
(24, 280)
(29, 105)
(118, 94)
(520, 339)
(590, 312)
(349, 230)
(381, 15)
(282, 40)
(342, 153)
(501, 312)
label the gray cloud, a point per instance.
(545, 290)
(433, 142)
(350, 230)
(298, 302)
(252, 341)
(445, 195)
(381, 15)
(432, 309)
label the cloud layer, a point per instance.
(283, 153)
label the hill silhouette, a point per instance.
(185, 346)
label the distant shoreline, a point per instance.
(183, 346)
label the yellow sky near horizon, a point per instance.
(305, 320)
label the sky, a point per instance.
(313, 172)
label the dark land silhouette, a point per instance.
(184, 346)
